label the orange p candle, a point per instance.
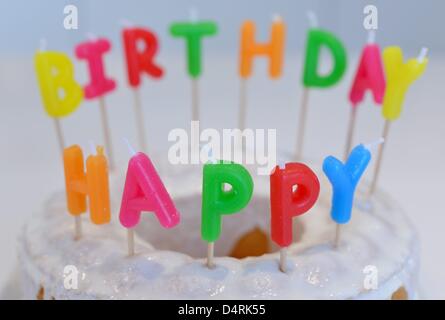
(274, 50)
(92, 183)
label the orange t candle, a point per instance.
(92, 184)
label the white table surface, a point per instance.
(30, 167)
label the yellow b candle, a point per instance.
(61, 94)
(399, 76)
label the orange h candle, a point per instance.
(274, 50)
(249, 49)
(92, 183)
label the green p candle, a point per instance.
(218, 201)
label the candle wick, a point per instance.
(100, 150)
(422, 55)
(92, 147)
(371, 146)
(277, 18)
(312, 17)
(126, 23)
(193, 14)
(130, 148)
(281, 164)
(210, 157)
(371, 36)
(91, 36)
(43, 44)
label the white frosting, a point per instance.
(382, 238)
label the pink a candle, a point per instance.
(145, 191)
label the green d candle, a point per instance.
(216, 201)
(316, 40)
(193, 32)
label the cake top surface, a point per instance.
(380, 238)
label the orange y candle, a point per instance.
(250, 49)
(92, 183)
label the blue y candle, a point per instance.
(344, 179)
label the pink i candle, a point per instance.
(93, 51)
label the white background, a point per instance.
(30, 168)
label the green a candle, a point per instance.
(216, 201)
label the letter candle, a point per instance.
(193, 32)
(399, 76)
(344, 179)
(55, 74)
(286, 203)
(138, 62)
(274, 51)
(218, 201)
(92, 183)
(316, 40)
(369, 76)
(93, 51)
(144, 191)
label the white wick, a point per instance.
(43, 44)
(126, 23)
(281, 164)
(422, 55)
(92, 147)
(277, 18)
(91, 36)
(312, 17)
(193, 14)
(371, 36)
(130, 148)
(371, 146)
(210, 156)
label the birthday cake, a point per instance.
(298, 232)
(376, 258)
